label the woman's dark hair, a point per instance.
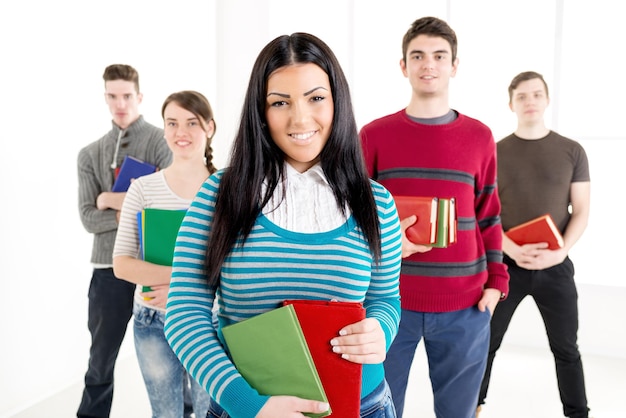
(197, 104)
(255, 157)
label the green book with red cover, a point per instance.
(436, 223)
(271, 353)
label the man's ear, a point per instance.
(455, 66)
(139, 97)
(403, 67)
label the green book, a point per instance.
(160, 229)
(158, 232)
(271, 353)
(446, 223)
(443, 223)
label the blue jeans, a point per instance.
(555, 294)
(165, 377)
(110, 309)
(377, 404)
(456, 345)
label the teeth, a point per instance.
(302, 136)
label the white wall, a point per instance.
(53, 55)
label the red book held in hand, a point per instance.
(321, 321)
(424, 230)
(540, 229)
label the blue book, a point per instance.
(131, 168)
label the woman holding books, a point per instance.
(189, 129)
(294, 216)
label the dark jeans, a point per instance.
(110, 309)
(554, 292)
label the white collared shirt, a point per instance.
(310, 205)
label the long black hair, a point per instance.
(256, 158)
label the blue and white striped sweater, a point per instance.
(272, 266)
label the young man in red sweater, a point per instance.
(447, 294)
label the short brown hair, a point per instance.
(430, 26)
(121, 72)
(525, 76)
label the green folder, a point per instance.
(270, 352)
(158, 230)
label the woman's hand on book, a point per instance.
(290, 407)
(362, 342)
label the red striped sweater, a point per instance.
(457, 160)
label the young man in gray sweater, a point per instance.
(110, 299)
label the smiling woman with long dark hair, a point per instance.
(294, 216)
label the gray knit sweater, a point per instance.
(95, 175)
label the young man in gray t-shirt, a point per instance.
(539, 172)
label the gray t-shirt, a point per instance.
(534, 177)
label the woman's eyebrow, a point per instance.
(284, 95)
(313, 89)
(287, 96)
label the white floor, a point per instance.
(523, 386)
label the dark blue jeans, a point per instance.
(456, 345)
(377, 404)
(555, 294)
(110, 309)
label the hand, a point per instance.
(362, 342)
(489, 300)
(110, 200)
(538, 256)
(290, 407)
(409, 248)
(157, 296)
(101, 201)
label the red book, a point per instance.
(424, 230)
(320, 322)
(540, 229)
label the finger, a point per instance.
(373, 346)
(358, 329)
(290, 406)
(341, 344)
(482, 305)
(371, 358)
(407, 222)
